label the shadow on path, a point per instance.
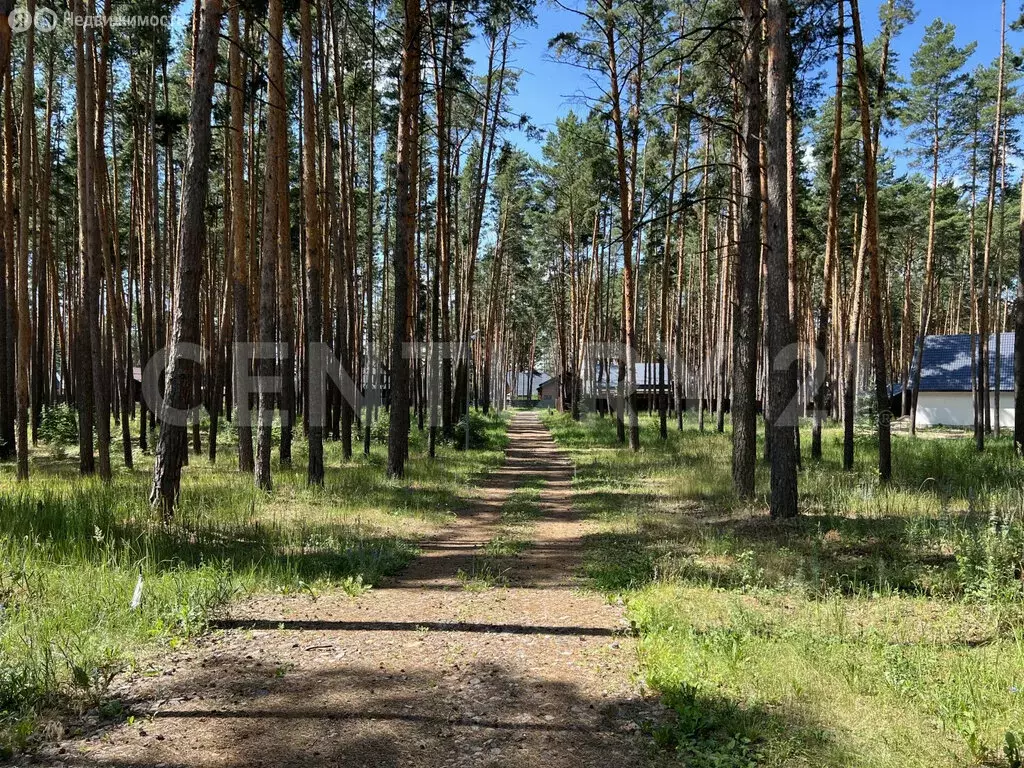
(420, 671)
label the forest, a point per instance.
(315, 338)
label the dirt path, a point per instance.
(418, 672)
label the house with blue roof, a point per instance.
(946, 395)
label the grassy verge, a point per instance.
(884, 627)
(73, 552)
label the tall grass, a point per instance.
(883, 627)
(74, 551)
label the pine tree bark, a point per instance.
(95, 270)
(871, 250)
(1018, 339)
(746, 323)
(494, 93)
(781, 333)
(269, 260)
(181, 370)
(7, 299)
(24, 218)
(984, 423)
(314, 308)
(240, 260)
(406, 173)
(10, 375)
(831, 250)
(373, 377)
(928, 289)
(627, 378)
(285, 291)
(107, 229)
(856, 301)
(87, 310)
(665, 329)
(47, 286)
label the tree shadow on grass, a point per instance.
(827, 553)
(96, 524)
(712, 731)
(294, 533)
(851, 555)
(950, 470)
(683, 519)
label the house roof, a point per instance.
(544, 381)
(519, 382)
(946, 365)
(646, 375)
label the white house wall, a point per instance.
(956, 409)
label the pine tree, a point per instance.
(871, 251)
(273, 185)
(311, 206)
(937, 81)
(185, 333)
(405, 237)
(781, 333)
(746, 328)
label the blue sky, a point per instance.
(550, 88)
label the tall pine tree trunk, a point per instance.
(240, 261)
(272, 187)
(285, 294)
(746, 324)
(781, 334)
(1018, 339)
(871, 251)
(87, 309)
(311, 205)
(406, 172)
(7, 299)
(984, 423)
(185, 332)
(627, 378)
(371, 145)
(927, 290)
(831, 250)
(24, 218)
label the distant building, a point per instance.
(602, 387)
(946, 394)
(522, 388)
(547, 392)
(649, 385)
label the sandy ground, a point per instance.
(422, 671)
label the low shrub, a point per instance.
(58, 425)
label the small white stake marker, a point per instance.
(137, 595)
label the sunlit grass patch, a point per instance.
(522, 506)
(505, 545)
(483, 573)
(518, 513)
(73, 550)
(883, 627)
(881, 687)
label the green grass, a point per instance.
(522, 506)
(72, 551)
(520, 510)
(884, 627)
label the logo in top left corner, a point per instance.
(44, 20)
(20, 20)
